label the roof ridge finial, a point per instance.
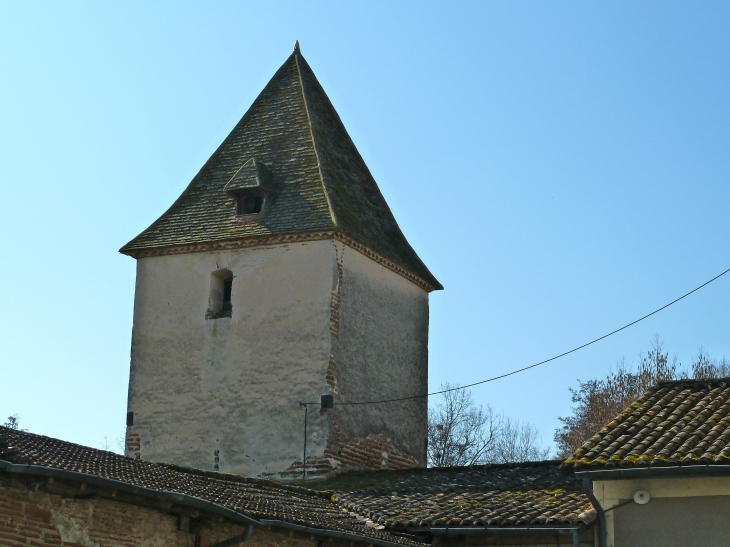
(296, 47)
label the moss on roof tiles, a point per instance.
(698, 432)
(527, 494)
(318, 180)
(255, 498)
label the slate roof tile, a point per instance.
(319, 181)
(682, 422)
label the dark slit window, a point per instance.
(221, 289)
(227, 307)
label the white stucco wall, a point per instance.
(381, 352)
(233, 385)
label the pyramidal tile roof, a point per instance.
(317, 181)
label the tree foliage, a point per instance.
(462, 433)
(598, 401)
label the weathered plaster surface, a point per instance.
(308, 319)
(380, 352)
(230, 385)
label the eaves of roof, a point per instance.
(675, 471)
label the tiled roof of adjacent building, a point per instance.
(318, 180)
(684, 422)
(509, 495)
(254, 498)
(377, 504)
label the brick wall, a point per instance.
(32, 514)
(330, 377)
(373, 452)
(335, 301)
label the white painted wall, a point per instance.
(231, 384)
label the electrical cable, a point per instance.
(541, 362)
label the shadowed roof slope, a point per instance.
(495, 496)
(683, 422)
(319, 181)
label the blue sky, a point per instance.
(561, 167)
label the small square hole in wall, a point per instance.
(219, 301)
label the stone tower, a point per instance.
(278, 276)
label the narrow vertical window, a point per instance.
(227, 307)
(219, 301)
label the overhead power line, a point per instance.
(541, 362)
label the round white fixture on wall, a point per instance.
(641, 497)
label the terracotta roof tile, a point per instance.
(509, 495)
(255, 498)
(683, 422)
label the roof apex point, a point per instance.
(296, 47)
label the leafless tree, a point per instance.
(458, 432)
(461, 433)
(518, 442)
(121, 444)
(598, 401)
(705, 366)
(13, 422)
(117, 447)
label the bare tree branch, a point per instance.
(519, 442)
(460, 433)
(600, 400)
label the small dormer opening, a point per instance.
(219, 301)
(249, 187)
(248, 203)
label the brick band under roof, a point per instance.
(684, 422)
(318, 180)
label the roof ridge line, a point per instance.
(553, 462)
(296, 55)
